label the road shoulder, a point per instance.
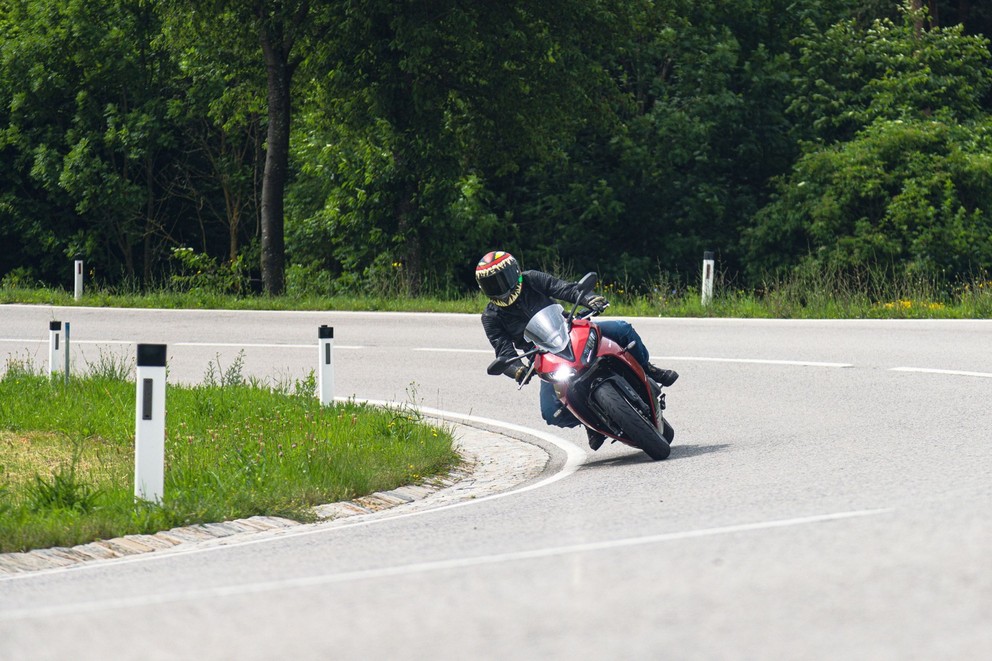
(492, 463)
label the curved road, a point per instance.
(827, 497)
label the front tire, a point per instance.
(633, 424)
(667, 432)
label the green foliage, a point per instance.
(200, 272)
(622, 137)
(855, 76)
(898, 169)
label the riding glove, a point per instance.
(596, 303)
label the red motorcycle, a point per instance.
(595, 378)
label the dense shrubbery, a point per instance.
(624, 137)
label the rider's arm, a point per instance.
(501, 341)
(553, 287)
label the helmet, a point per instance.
(498, 275)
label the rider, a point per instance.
(515, 296)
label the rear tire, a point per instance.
(634, 425)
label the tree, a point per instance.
(895, 169)
(424, 102)
(89, 125)
(286, 32)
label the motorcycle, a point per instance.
(594, 377)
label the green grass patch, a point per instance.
(232, 451)
(807, 293)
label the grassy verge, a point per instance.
(232, 451)
(803, 295)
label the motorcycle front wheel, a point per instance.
(634, 425)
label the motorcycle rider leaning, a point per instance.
(515, 296)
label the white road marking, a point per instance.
(924, 370)
(421, 567)
(443, 350)
(755, 361)
(263, 346)
(574, 457)
(191, 344)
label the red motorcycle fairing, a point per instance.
(558, 370)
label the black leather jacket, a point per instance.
(505, 326)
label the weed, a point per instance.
(112, 367)
(232, 376)
(66, 490)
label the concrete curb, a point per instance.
(491, 463)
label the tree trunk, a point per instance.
(915, 6)
(276, 162)
(408, 228)
(149, 222)
(964, 10)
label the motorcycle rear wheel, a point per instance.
(635, 427)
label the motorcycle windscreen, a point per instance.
(548, 330)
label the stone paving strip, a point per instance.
(491, 463)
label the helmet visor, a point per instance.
(500, 281)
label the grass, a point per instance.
(206, 300)
(806, 294)
(233, 450)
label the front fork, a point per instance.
(659, 397)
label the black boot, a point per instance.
(660, 376)
(595, 438)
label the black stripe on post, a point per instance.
(151, 355)
(55, 325)
(146, 399)
(325, 332)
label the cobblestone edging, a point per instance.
(491, 463)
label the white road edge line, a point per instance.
(443, 350)
(925, 370)
(754, 361)
(424, 567)
(194, 344)
(574, 457)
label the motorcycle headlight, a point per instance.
(563, 374)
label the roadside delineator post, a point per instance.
(325, 336)
(708, 268)
(56, 348)
(79, 280)
(149, 423)
(65, 354)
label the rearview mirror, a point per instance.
(588, 282)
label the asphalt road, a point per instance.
(827, 497)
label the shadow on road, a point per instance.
(638, 457)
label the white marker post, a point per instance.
(708, 269)
(149, 422)
(65, 353)
(325, 335)
(56, 348)
(79, 280)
